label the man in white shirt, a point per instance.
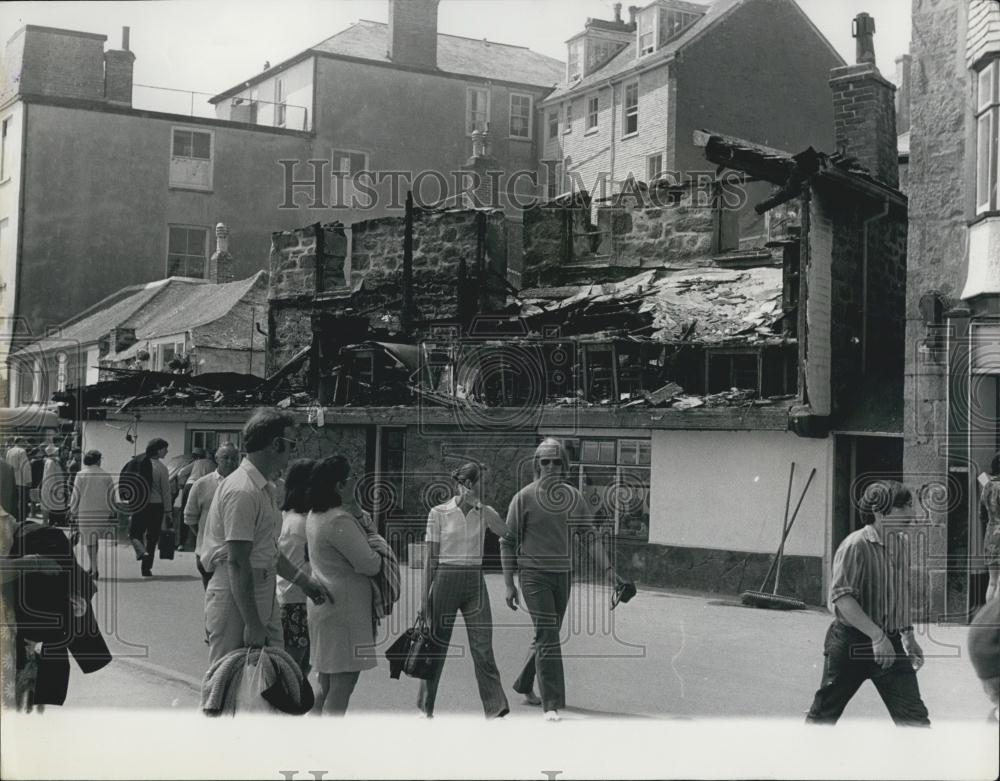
(240, 546)
(199, 501)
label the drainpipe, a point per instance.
(864, 283)
(405, 319)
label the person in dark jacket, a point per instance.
(153, 500)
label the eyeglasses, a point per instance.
(548, 461)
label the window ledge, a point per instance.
(190, 188)
(5, 179)
(633, 134)
(592, 131)
(985, 215)
(567, 131)
(519, 138)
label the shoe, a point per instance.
(552, 715)
(530, 698)
(140, 549)
(147, 573)
(424, 715)
(624, 591)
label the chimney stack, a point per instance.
(864, 109)
(633, 11)
(118, 67)
(220, 265)
(413, 32)
(618, 12)
(903, 93)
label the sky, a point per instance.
(207, 46)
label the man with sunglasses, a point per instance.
(240, 546)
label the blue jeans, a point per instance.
(546, 595)
(849, 662)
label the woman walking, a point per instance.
(341, 631)
(292, 543)
(541, 521)
(92, 505)
(453, 582)
(989, 511)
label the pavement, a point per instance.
(665, 658)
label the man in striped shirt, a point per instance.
(871, 637)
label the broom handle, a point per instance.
(781, 549)
(784, 523)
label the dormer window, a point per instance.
(574, 60)
(662, 22)
(647, 30)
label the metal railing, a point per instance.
(236, 109)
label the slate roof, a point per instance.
(160, 308)
(479, 58)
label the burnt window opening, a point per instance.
(726, 370)
(790, 290)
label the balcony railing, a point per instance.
(195, 104)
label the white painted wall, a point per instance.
(109, 438)
(297, 82)
(726, 490)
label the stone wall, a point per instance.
(289, 330)
(649, 229)
(308, 261)
(937, 189)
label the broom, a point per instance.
(774, 600)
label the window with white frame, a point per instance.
(599, 52)
(280, 107)
(520, 115)
(477, 109)
(646, 31)
(187, 251)
(553, 123)
(654, 167)
(568, 127)
(631, 108)
(209, 440)
(672, 23)
(191, 158)
(346, 164)
(613, 475)
(987, 135)
(574, 59)
(592, 106)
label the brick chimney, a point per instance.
(413, 32)
(864, 108)
(482, 164)
(118, 66)
(221, 264)
(903, 93)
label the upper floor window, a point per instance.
(574, 59)
(520, 116)
(553, 124)
(346, 165)
(600, 51)
(191, 159)
(647, 31)
(987, 133)
(279, 103)
(673, 23)
(477, 109)
(592, 112)
(631, 108)
(569, 117)
(187, 251)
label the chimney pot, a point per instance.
(864, 34)
(125, 35)
(618, 12)
(633, 10)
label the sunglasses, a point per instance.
(549, 461)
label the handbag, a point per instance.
(166, 544)
(424, 654)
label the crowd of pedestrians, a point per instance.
(290, 560)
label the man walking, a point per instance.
(147, 520)
(187, 476)
(54, 494)
(199, 501)
(871, 637)
(17, 457)
(240, 545)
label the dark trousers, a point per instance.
(546, 595)
(145, 527)
(849, 662)
(23, 502)
(184, 529)
(463, 589)
(205, 574)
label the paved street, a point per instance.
(664, 655)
